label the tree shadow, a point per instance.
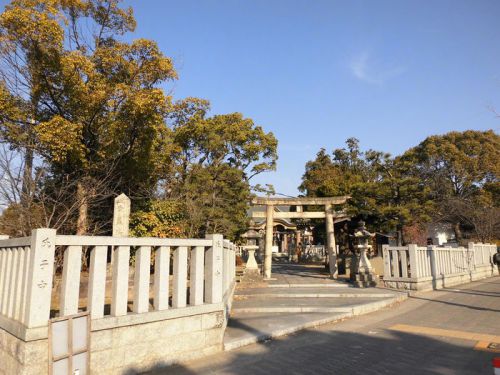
(454, 304)
(236, 323)
(471, 291)
(333, 352)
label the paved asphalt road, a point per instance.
(401, 339)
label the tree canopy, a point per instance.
(381, 193)
(452, 178)
(213, 163)
(87, 112)
(463, 174)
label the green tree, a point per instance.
(214, 160)
(88, 107)
(87, 103)
(462, 172)
(159, 218)
(381, 191)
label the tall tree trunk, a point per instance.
(458, 232)
(27, 193)
(399, 234)
(83, 208)
(27, 187)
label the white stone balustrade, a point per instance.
(434, 267)
(27, 276)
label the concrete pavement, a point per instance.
(439, 332)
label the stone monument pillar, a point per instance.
(363, 275)
(121, 215)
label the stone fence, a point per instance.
(184, 308)
(434, 267)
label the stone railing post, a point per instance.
(233, 263)
(404, 263)
(197, 275)
(161, 278)
(141, 280)
(432, 254)
(41, 269)
(226, 280)
(213, 269)
(119, 283)
(70, 286)
(232, 251)
(471, 257)
(97, 281)
(387, 261)
(179, 287)
(412, 253)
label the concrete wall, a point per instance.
(22, 358)
(143, 347)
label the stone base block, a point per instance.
(440, 282)
(251, 271)
(22, 358)
(365, 279)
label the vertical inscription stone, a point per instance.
(41, 269)
(121, 216)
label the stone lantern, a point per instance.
(363, 275)
(252, 238)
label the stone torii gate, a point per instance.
(328, 213)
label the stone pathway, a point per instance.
(298, 297)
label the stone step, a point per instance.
(347, 291)
(246, 328)
(290, 309)
(310, 285)
(240, 296)
(301, 305)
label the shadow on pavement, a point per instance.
(236, 323)
(470, 291)
(316, 352)
(455, 304)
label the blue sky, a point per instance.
(317, 72)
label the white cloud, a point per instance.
(367, 69)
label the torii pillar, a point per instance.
(268, 252)
(330, 242)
